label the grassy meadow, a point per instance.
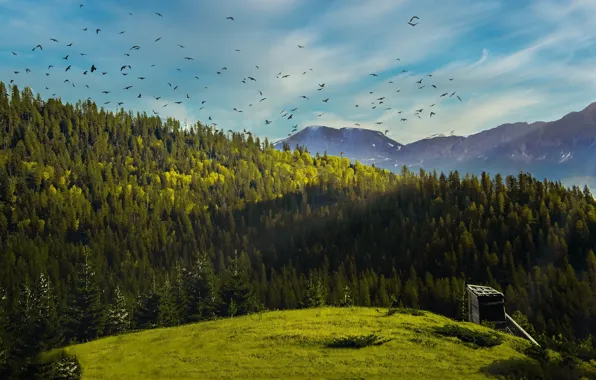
(294, 345)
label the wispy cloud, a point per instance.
(509, 61)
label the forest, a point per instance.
(117, 221)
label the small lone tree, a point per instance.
(346, 298)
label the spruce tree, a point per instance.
(208, 288)
(118, 317)
(146, 313)
(48, 322)
(201, 290)
(314, 293)
(168, 308)
(238, 288)
(23, 327)
(84, 315)
(346, 297)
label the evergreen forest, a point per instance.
(111, 222)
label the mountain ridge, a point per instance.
(555, 149)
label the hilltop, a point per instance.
(292, 345)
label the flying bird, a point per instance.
(373, 75)
(159, 38)
(159, 14)
(432, 113)
(93, 68)
(97, 31)
(38, 46)
(230, 18)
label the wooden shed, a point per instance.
(486, 304)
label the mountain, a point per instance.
(563, 149)
(364, 145)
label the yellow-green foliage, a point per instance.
(291, 345)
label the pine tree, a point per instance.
(169, 310)
(118, 317)
(238, 288)
(346, 297)
(201, 290)
(48, 322)
(146, 313)
(314, 293)
(85, 312)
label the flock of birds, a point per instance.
(126, 69)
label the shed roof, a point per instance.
(480, 290)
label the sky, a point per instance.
(509, 60)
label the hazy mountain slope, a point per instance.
(563, 149)
(360, 144)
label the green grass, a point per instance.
(295, 345)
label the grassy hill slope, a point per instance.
(292, 345)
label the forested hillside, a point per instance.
(116, 221)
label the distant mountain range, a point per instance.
(563, 150)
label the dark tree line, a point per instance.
(119, 221)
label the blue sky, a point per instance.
(511, 60)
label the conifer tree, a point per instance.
(49, 329)
(208, 287)
(146, 313)
(346, 297)
(84, 315)
(237, 287)
(118, 316)
(169, 309)
(201, 290)
(314, 293)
